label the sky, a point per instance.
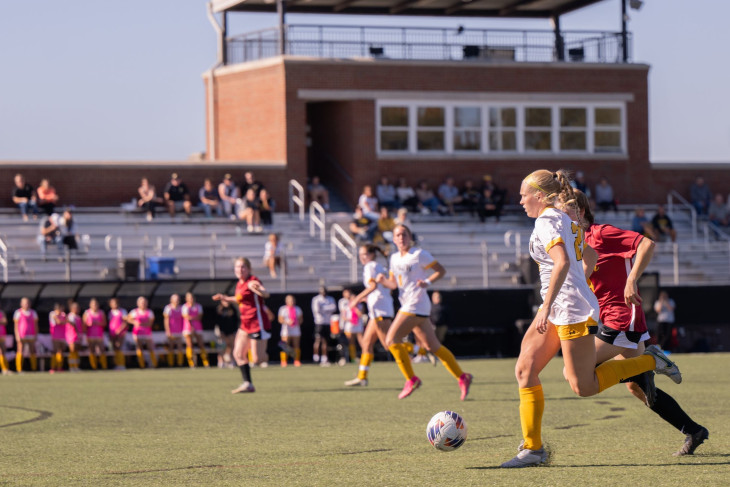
(86, 80)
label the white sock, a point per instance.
(316, 357)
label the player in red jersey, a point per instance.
(623, 255)
(255, 324)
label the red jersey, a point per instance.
(251, 306)
(616, 249)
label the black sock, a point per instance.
(245, 372)
(671, 412)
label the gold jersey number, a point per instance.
(578, 244)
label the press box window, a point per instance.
(394, 129)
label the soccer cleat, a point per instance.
(342, 362)
(283, 363)
(663, 364)
(691, 442)
(297, 363)
(411, 385)
(356, 382)
(464, 384)
(245, 387)
(431, 358)
(527, 458)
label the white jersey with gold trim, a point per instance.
(575, 302)
(407, 270)
(380, 303)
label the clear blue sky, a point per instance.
(121, 80)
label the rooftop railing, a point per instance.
(429, 43)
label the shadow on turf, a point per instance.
(42, 415)
(614, 465)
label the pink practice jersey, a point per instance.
(94, 321)
(26, 321)
(145, 318)
(3, 322)
(192, 316)
(57, 324)
(117, 321)
(175, 318)
(73, 328)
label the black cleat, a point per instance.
(692, 442)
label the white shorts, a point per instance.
(382, 308)
(422, 307)
(290, 331)
(353, 327)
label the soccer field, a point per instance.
(302, 427)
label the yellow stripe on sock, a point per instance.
(449, 361)
(400, 354)
(532, 405)
(612, 372)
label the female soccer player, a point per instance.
(117, 332)
(192, 313)
(95, 322)
(291, 318)
(380, 309)
(74, 328)
(353, 325)
(255, 323)
(623, 255)
(174, 330)
(568, 313)
(57, 327)
(142, 319)
(409, 273)
(26, 331)
(3, 348)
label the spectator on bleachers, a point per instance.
(449, 195)
(49, 233)
(266, 208)
(249, 211)
(148, 199)
(209, 199)
(385, 192)
(272, 254)
(24, 197)
(318, 193)
(368, 203)
(25, 321)
(718, 211)
(499, 195)
(641, 224)
(401, 218)
(67, 226)
(428, 201)
(488, 205)
(470, 196)
(406, 195)
(177, 196)
(228, 194)
(362, 228)
(47, 197)
(384, 233)
(249, 182)
(604, 196)
(700, 196)
(580, 183)
(662, 225)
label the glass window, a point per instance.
(573, 129)
(538, 129)
(431, 130)
(430, 141)
(503, 129)
(608, 116)
(573, 117)
(431, 117)
(467, 129)
(395, 136)
(394, 116)
(395, 140)
(538, 117)
(467, 117)
(607, 135)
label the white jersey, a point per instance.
(380, 303)
(575, 302)
(407, 270)
(290, 328)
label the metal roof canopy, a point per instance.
(454, 8)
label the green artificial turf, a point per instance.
(303, 427)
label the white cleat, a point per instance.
(527, 458)
(663, 364)
(357, 382)
(245, 387)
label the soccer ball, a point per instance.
(446, 431)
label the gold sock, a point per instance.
(170, 359)
(204, 357)
(119, 358)
(102, 359)
(34, 362)
(73, 360)
(422, 351)
(612, 372)
(153, 359)
(180, 357)
(409, 347)
(92, 361)
(532, 405)
(59, 360)
(19, 362)
(140, 359)
(400, 354)
(282, 357)
(365, 360)
(53, 362)
(353, 351)
(191, 357)
(3, 363)
(447, 358)
(297, 354)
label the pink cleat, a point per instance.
(464, 383)
(411, 385)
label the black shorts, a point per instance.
(255, 335)
(322, 331)
(620, 338)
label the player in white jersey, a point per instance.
(412, 270)
(380, 309)
(567, 316)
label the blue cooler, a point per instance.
(160, 268)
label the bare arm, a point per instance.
(643, 256)
(438, 272)
(590, 258)
(361, 297)
(388, 282)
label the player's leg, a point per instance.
(138, 350)
(201, 349)
(366, 357)
(189, 351)
(240, 355)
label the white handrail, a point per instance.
(675, 262)
(317, 219)
(687, 206)
(340, 239)
(485, 264)
(4, 259)
(296, 199)
(158, 245)
(108, 247)
(518, 243)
